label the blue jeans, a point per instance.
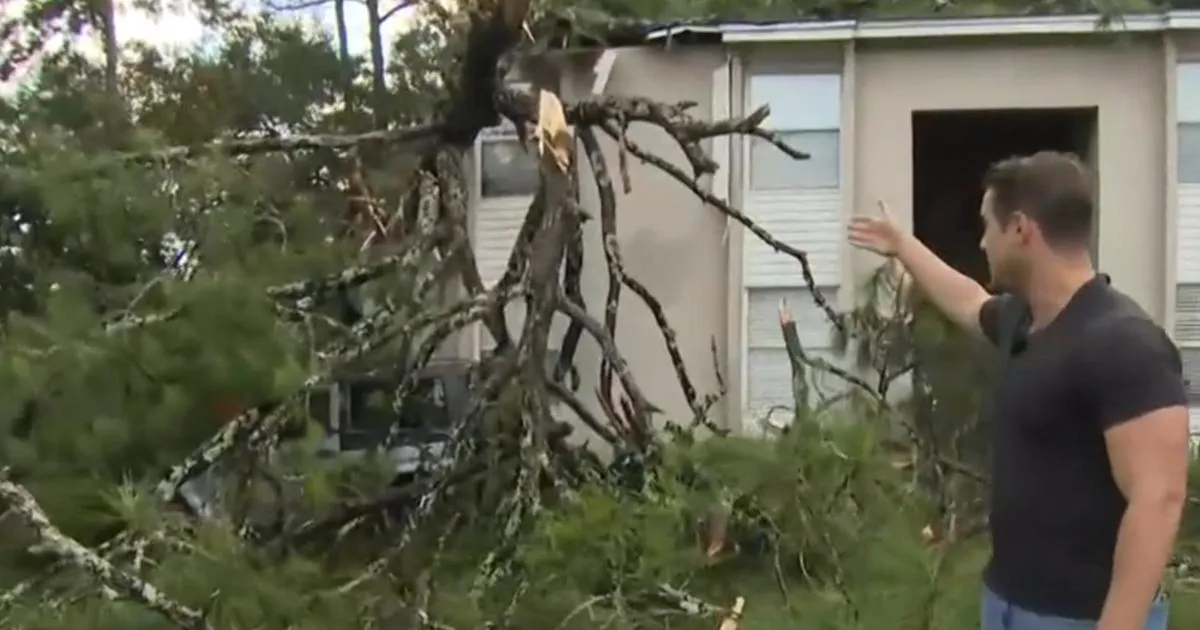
(997, 614)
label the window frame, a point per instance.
(828, 119)
(506, 132)
(1187, 113)
(1187, 92)
(1187, 117)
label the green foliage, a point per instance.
(819, 528)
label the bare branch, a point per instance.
(72, 552)
(399, 6)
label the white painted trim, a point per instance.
(848, 289)
(476, 337)
(721, 151)
(1183, 20)
(1171, 183)
(477, 170)
(749, 422)
(602, 70)
(722, 107)
(743, 293)
(949, 27)
(735, 376)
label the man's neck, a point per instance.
(1052, 286)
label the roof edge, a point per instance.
(845, 30)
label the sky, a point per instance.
(182, 28)
(179, 29)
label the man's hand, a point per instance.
(956, 295)
(876, 234)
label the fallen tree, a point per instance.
(523, 445)
(513, 524)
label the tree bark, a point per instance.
(343, 40)
(378, 67)
(106, 12)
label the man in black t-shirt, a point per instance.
(1089, 422)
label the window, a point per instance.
(1187, 335)
(806, 112)
(369, 406)
(1188, 159)
(798, 202)
(366, 414)
(319, 401)
(426, 407)
(1191, 374)
(773, 169)
(1187, 267)
(1187, 108)
(506, 168)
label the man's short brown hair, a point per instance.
(1055, 190)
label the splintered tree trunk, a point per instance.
(797, 359)
(378, 64)
(104, 16)
(343, 42)
(112, 50)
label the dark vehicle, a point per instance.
(358, 417)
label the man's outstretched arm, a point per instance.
(953, 293)
(956, 295)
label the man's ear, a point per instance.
(1021, 223)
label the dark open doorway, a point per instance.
(953, 149)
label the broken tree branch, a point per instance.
(71, 551)
(618, 276)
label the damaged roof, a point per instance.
(578, 29)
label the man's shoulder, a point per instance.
(1121, 331)
(1127, 365)
(1003, 317)
(1124, 332)
(1120, 316)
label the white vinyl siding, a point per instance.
(497, 224)
(798, 202)
(1187, 262)
(771, 383)
(809, 220)
(506, 180)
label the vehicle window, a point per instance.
(318, 407)
(425, 407)
(371, 407)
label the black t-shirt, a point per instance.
(1055, 508)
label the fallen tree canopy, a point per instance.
(114, 371)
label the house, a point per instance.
(907, 111)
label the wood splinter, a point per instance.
(734, 617)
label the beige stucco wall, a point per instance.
(670, 241)
(682, 251)
(1124, 78)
